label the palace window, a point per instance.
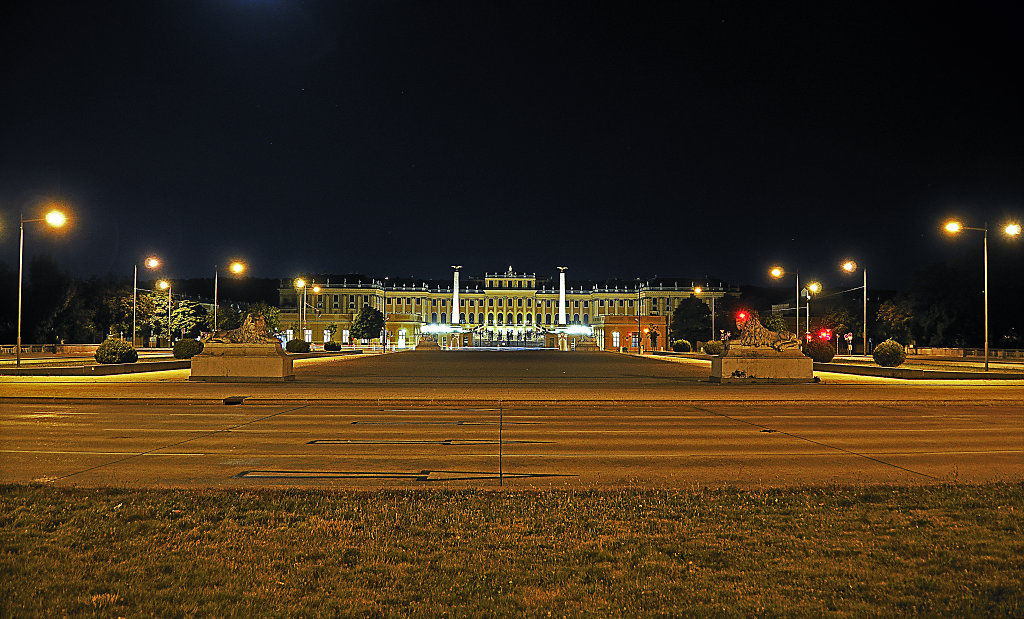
(490, 319)
(586, 319)
(443, 318)
(433, 317)
(520, 302)
(519, 319)
(480, 318)
(615, 339)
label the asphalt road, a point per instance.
(567, 420)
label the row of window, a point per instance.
(509, 319)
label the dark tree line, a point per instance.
(57, 307)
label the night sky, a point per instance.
(681, 139)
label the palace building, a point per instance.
(497, 309)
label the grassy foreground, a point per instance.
(950, 550)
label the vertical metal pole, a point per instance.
(216, 270)
(796, 329)
(986, 295)
(713, 332)
(865, 312)
(169, 343)
(21, 261)
(135, 287)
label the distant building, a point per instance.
(498, 309)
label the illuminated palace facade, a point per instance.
(498, 309)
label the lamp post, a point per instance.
(151, 262)
(166, 285)
(850, 266)
(236, 267)
(1011, 230)
(55, 219)
(698, 290)
(778, 272)
(812, 288)
(301, 283)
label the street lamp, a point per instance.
(301, 283)
(236, 267)
(850, 266)
(166, 285)
(698, 290)
(812, 288)
(54, 219)
(151, 262)
(777, 273)
(1011, 230)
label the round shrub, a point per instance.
(297, 345)
(187, 348)
(681, 346)
(819, 350)
(332, 346)
(889, 354)
(116, 351)
(714, 348)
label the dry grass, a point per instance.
(949, 550)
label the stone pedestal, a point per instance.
(753, 364)
(242, 363)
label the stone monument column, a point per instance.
(455, 295)
(561, 295)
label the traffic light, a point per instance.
(825, 334)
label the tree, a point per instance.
(946, 307)
(893, 321)
(271, 315)
(368, 324)
(775, 322)
(691, 320)
(188, 319)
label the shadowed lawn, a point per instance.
(951, 550)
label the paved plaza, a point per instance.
(519, 419)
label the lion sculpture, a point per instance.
(753, 333)
(252, 331)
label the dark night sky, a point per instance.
(683, 139)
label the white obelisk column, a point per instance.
(561, 295)
(455, 295)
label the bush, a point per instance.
(116, 351)
(332, 346)
(821, 351)
(681, 346)
(889, 354)
(187, 348)
(297, 346)
(714, 348)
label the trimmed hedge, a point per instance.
(187, 348)
(681, 346)
(297, 345)
(889, 354)
(332, 346)
(819, 350)
(116, 351)
(714, 348)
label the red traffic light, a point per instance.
(741, 316)
(825, 334)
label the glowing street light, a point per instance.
(166, 285)
(778, 272)
(812, 288)
(850, 266)
(235, 267)
(1011, 230)
(301, 283)
(54, 219)
(151, 262)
